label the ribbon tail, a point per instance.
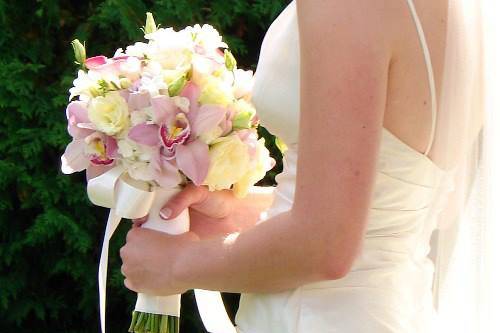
(212, 312)
(111, 225)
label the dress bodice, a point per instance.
(389, 286)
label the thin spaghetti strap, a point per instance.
(430, 71)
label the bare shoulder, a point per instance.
(372, 22)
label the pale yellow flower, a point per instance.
(109, 113)
(215, 91)
(229, 162)
(256, 172)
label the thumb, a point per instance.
(190, 195)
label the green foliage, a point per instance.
(49, 232)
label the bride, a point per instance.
(378, 105)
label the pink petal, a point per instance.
(123, 57)
(192, 160)
(95, 62)
(207, 118)
(163, 109)
(111, 147)
(77, 114)
(165, 174)
(125, 94)
(74, 159)
(145, 134)
(139, 100)
(192, 92)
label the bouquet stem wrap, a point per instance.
(160, 314)
(131, 199)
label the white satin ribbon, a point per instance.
(129, 199)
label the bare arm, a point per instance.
(344, 79)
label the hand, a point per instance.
(216, 213)
(150, 259)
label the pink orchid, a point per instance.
(79, 125)
(175, 134)
(84, 134)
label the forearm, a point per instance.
(275, 255)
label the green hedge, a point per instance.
(49, 232)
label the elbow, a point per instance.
(335, 269)
(337, 264)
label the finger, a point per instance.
(140, 221)
(129, 285)
(190, 195)
(122, 270)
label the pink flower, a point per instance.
(79, 125)
(85, 139)
(121, 65)
(175, 135)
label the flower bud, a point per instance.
(79, 50)
(176, 86)
(125, 83)
(229, 60)
(150, 26)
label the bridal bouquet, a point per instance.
(153, 117)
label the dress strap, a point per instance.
(430, 72)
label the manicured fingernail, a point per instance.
(165, 213)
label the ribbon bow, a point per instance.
(131, 199)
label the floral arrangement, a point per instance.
(171, 110)
(157, 115)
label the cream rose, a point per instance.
(214, 91)
(229, 162)
(256, 172)
(109, 113)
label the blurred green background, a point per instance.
(50, 234)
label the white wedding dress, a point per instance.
(390, 286)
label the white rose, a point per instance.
(109, 113)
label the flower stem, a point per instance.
(153, 323)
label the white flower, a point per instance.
(140, 116)
(152, 84)
(139, 49)
(139, 170)
(136, 159)
(243, 83)
(133, 151)
(85, 85)
(207, 37)
(131, 68)
(170, 48)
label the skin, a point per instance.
(344, 96)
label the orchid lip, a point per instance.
(175, 133)
(99, 161)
